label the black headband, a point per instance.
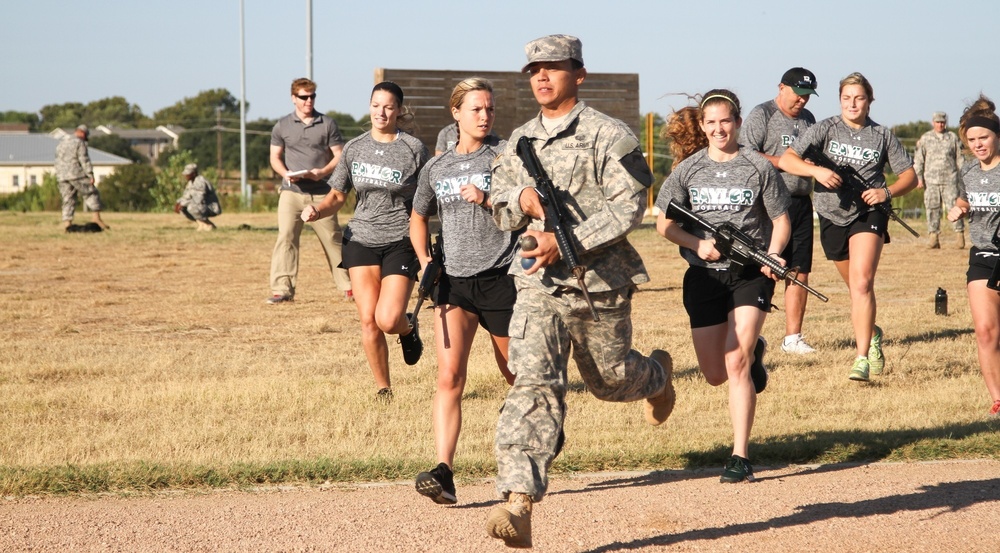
(984, 122)
(391, 88)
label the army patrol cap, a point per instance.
(190, 169)
(84, 128)
(802, 80)
(939, 116)
(553, 48)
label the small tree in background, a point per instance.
(129, 188)
(170, 182)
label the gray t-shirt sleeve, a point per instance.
(753, 132)
(446, 138)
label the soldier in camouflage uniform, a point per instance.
(76, 176)
(936, 160)
(199, 201)
(601, 180)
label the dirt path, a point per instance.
(932, 507)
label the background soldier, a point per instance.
(601, 157)
(199, 201)
(936, 160)
(770, 129)
(76, 176)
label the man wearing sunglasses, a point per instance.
(305, 148)
(770, 129)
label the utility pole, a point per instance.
(218, 139)
(309, 39)
(244, 186)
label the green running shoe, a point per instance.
(876, 360)
(737, 470)
(859, 371)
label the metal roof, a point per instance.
(40, 149)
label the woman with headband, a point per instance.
(474, 289)
(723, 183)
(852, 233)
(979, 128)
(382, 166)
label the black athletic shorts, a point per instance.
(490, 295)
(709, 295)
(799, 251)
(981, 263)
(397, 258)
(836, 239)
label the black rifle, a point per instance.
(994, 281)
(738, 247)
(554, 215)
(430, 278)
(854, 182)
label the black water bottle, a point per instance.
(941, 302)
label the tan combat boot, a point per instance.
(932, 241)
(960, 241)
(100, 222)
(511, 521)
(659, 407)
(66, 224)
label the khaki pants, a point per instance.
(285, 258)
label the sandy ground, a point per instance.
(933, 507)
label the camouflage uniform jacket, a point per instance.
(200, 198)
(938, 158)
(600, 178)
(73, 160)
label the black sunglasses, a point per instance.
(305, 97)
(800, 84)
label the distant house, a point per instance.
(148, 142)
(26, 157)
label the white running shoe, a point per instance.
(796, 345)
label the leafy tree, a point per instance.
(129, 188)
(200, 111)
(66, 115)
(203, 145)
(20, 117)
(349, 127)
(911, 130)
(107, 111)
(115, 111)
(114, 144)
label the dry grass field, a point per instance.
(145, 358)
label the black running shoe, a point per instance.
(737, 469)
(413, 347)
(757, 371)
(438, 484)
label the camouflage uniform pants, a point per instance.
(69, 190)
(543, 329)
(934, 196)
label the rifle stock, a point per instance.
(993, 283)
(854, 181)
(430, 278)
(554, 216)
(739, 248)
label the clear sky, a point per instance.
(921, 56)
